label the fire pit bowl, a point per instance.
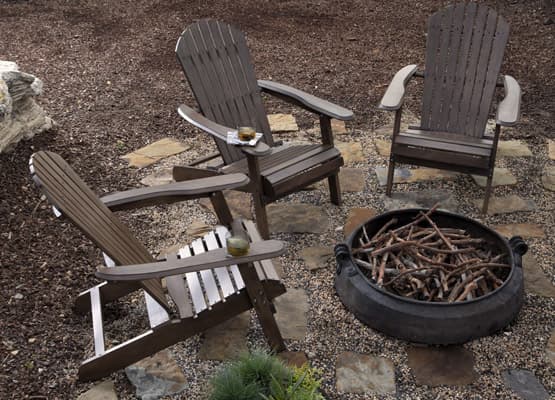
(431, 322)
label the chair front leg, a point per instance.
(258, 196)
(391, 167)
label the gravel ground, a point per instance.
(112, 84)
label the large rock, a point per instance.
(156, 376)
(20, 116)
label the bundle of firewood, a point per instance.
(422, 261)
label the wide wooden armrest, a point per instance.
(393, 98)
(173, 192)
(208, 260)
(201, 122)
(307, 101)
(218, 131)
(508, 111)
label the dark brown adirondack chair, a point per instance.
(464, 51)
(205, 285)
(216, 61)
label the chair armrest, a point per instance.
(217, 130)
(307, 101)
(208, 260)
(393, 98)
(508, 111)
(201, 122)
(173, 192)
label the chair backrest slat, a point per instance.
(464, 51)
(218, 67)
(76, 201)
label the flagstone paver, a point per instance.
(239, 203)
(351, 151)
(356, 217)
(161, 176)
(198, 229)
(435, 366)
(351, 179)
(548, 178)
(156, 376)
(101, 391)
(524, 230)
(282, 123)
(385, 130)
(513, 148)
(406, 175)
(294, 358)
(501, 177)
(316, 257)
(535, 280)
(291, 316)
(421, 199)
(505, 205)
(362, 373)
(154, 152)
(551, 149)
(525, 384)
(551, 348)
(383, 147)
(297, 217)
(227, 340)
(338, 127)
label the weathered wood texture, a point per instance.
(464, 52)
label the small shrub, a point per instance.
(248, 377)
(261, 376)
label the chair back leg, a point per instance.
(262, 306)
(390, 172)
(488, 193)
(335, 189)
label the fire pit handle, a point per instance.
(519, 247)
(343, 256)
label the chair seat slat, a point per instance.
(221, 273)
(221, 232)
(197, 296)
(210, 287)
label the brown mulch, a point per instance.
(112, 83)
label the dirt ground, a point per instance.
(112, 84)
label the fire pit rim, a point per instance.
(349, 240)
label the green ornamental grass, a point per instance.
(261, 376)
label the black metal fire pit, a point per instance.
(427, 322)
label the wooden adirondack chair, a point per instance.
(464, 51)
(206, 285)
(216, 61)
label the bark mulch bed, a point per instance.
(112, 83)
